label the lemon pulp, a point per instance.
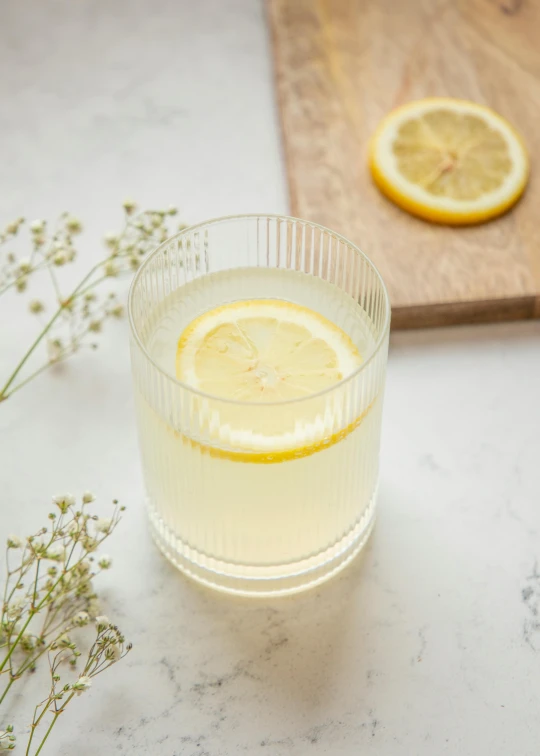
(264, 351)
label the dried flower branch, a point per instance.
(79, 316)
(48, 595)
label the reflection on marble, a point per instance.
(430, 642)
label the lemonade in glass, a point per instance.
(259, 348)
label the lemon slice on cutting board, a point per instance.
(264, 350)
(449, 161)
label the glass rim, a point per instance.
(246, 216)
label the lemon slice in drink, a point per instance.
(264, 351)
(449, 161)
(267, 352)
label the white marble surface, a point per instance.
(430, 644)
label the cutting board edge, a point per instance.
(465, 313)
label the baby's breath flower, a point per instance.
(38, 547)
(73, 224)
(36, 306)
(84, 567)
(14, 542)
(90, 544)
(103, 525)
(64, 501)
(95, 326)
(13, 227)
(21, 284)
(15, 608)
(171, 210)
(90, 297)
(54, 349)
(25, 266)
(28, 643)
(102, 622)
(37, 226)
(105, 562)
(64, 641)
(113, 652)
(81, 619)
(82, 684)
(110, 268)
(55, 552)
(93, 606)
(117, 311)
(60, 258)
(129, 206)
(111, 240)
(88, 497)
(73, 528)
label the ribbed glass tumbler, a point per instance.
(245, 496)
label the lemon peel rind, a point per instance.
(277, 456)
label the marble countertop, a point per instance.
(429, 643)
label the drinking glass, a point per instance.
(248, 497)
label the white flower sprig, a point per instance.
(78, 317)
(107, 649)
(48, 595)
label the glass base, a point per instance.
(272, 580)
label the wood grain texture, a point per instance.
(341, 65)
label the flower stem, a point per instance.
(92, 285)
(55, 717)
(55, 285)
(28, 379)
(15, 643)
(38, 340)
(36, 722)
(6, 691)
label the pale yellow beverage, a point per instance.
(259, 413)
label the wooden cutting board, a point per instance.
(341, 65)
